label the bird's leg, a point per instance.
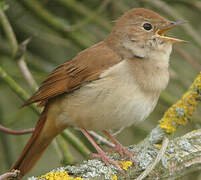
(118, 147)
(101, 154)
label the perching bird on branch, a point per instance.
(113, 84)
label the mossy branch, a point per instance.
(181, 112)
(183, 155)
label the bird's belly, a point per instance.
(106, 105)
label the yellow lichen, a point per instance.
(194, 131)
(114, 177)
(181, 112)
(157, 146)
(59, 175)
(125, 164)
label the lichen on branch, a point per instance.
(181, 112)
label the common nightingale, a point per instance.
(113, 84)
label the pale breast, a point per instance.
(112, 102)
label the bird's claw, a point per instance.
(107, 160)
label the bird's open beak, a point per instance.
(161, 31)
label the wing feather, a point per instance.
(85, 67)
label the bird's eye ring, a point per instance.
(147, 26)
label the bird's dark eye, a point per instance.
(147, 26)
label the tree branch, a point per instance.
(157, 160)
(15, 132)
(183, 155)
(9, 175)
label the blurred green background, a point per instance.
(59, 29)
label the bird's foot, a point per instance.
(122, 151)
(119, 148)
(103, 156)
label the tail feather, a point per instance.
(37, 144)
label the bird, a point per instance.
(113, 84)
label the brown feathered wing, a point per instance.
(85, 67)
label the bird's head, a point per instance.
(141, 33)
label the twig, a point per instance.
(17, 50)
(45, 36)
(103, 5)
(9, 175)
(6, 148)
(34, 60)
(55, 23)
(66, 157)
(9, 32)
(92, 15)
(16, 88)
(27, 75)
(66, 134)
(80, 25)
(118, 131)
(158, 158)
(23, 66)
(101, 139)
(15, 132)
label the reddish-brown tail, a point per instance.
(42, 136)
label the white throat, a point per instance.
(151, 50)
